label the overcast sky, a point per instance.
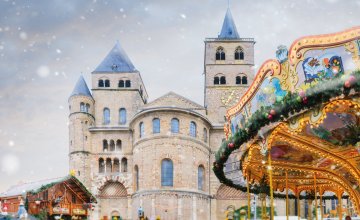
(45, 45)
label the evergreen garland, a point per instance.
(292, 103)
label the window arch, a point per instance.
(112, 145)
(116, 168)
(220, 54)
(87, 107)
(82, 107)
(121, 83)
(222, 80)
(175, 125)
(238, 80)
(101, 165)
(122, 116)
(156, 125)
(205, 135)
(239, 54)
(244, 80)
(216, 80)
(124, 164)
(167, 172)
(136, 170)
(127, 83)
(141, 129)
(192, 129)
(101, 83)
(106, 116)
(105, 146)
(108, 166)
(201, 177)
(118, 145)
(107, 83)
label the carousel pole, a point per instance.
(339, 205)
(316, 204)
(248, 196)
(298, 204)
(321, 205)
(287, 196)
(271, 188)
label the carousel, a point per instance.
(295, 134)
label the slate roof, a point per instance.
(228, 30)
(81, 88)
(172, 99)
(116, 61)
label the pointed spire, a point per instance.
(228, 30)
(81, 88)
(116, 61)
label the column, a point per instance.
(194, 208)
(153, 214)
(180, 207)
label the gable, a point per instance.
(174, 100)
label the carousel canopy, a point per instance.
(299, 122)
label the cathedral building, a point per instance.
(157, 156)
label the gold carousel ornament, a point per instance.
(297, 128)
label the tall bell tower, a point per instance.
(228, 69)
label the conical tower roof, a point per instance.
(116, 61)
(228, 30)
(81, 88)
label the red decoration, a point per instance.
(347, 83)
(270, 117)
(305, 100)
(272, 112)
(231, 145)
(352, 79)
(302, 94)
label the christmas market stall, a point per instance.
(295, 134)
(60, 198)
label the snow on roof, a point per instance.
(81, 88)
(23, 188)
(228, 30)
(116, 61)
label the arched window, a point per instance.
(167, 172)
(116, 168)
(136, 170)
(101, 165)
(82, 107)
(156, 125)
(220, 54)
(101, 83)
(201, 177)
(87, 108)
(244, 80)
(118, 145)
(122, 116)
(141, 129)
(124, 165)
(238, 80)
(107, 83)
(108, 166)
(239, 53)
(205, 135)
(112, 145)
(222, 80)
(216, 80)
(121, 83)
(127, 83)
(192, 129)
(106, 116)
(174, 125)
(105, 146)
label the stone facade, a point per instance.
(120, 159)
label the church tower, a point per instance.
(228, 69)
(81, 106)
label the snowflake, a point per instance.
(43, 71)
(10, 164)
